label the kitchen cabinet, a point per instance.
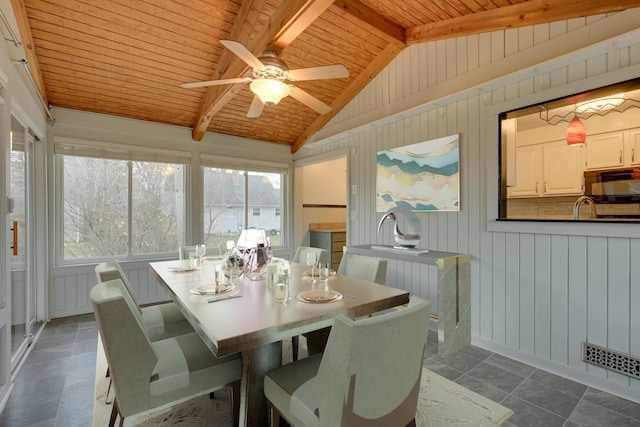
(562, 169)
(551, 169)
(632, 147)
(331, 240)
(528, 172)
(613, 150)
(605, 151)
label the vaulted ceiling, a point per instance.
(128, 58)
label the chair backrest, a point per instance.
(371, 368)
(322, 255)
(364, 267)
(210, 250)
(129, 352)
(106, 271)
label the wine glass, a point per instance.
(312, 259)
(200, 251)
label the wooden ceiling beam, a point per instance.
(387, 29)
(286, 24)
(20, 12)
(363, 79)
(247, 17)
(518, 15)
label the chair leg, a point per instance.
(106, 398)
(114, 415)
(294, 347)
(235, 402)
(274, 416)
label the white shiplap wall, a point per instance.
(538, 290)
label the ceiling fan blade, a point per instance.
(214, 82)
(256, 108)
(309, 100)
(336, 71)
(243, 53)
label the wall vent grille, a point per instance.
(612, 360)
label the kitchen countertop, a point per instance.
(333, 227)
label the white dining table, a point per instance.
(254, 324)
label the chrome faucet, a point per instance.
(587, 200)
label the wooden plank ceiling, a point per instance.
(128, 58)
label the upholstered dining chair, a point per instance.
(369, 374)
(361, 267)
(149, 376)
(322, 255)
(159, 320)
(364, 267)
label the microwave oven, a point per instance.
(613, 186)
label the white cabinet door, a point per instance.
(528, 165)
(562, 169)
(605, 151)
(632, 147)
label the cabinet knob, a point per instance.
(620, 156)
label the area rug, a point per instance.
(441, 403)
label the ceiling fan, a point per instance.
(269, 77)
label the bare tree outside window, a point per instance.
(96, 207)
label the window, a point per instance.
(551, 153)
(235, 199)
(113, 207)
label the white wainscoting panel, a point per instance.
(71, 285)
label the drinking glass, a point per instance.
(312, 259)
(201, 250)
(193, 260)
(281, 284)
(219, 278)
(323, 271)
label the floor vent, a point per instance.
(613, 360)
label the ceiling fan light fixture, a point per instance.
(270, 91)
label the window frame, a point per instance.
(101, 150)
(250, 166)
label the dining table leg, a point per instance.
(256, 362)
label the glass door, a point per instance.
(23, 294)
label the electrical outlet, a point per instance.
(353, 216)
(354, 189)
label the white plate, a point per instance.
(212, 289)
(182, 269)
(319, 296)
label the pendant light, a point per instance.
(576, 133)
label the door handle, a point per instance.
(15, 238)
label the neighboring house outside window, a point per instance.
(231, 195)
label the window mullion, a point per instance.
(130, 209)
(246, 199)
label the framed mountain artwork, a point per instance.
(421, 177)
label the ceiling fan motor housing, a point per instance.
(274, 67)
